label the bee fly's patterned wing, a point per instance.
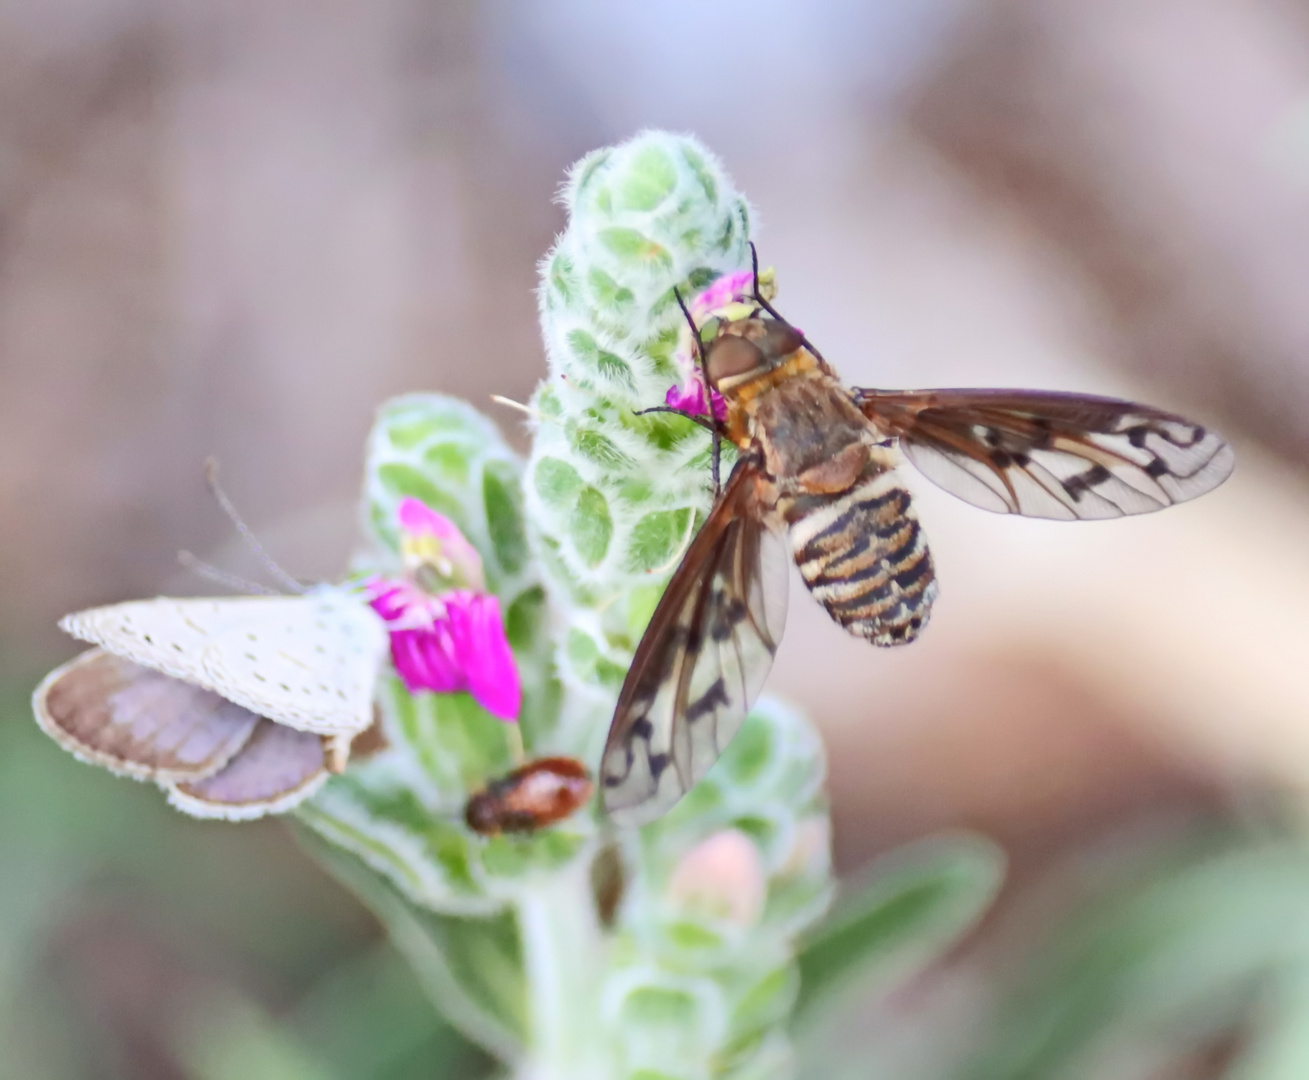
(702, 661)
(1049, 455)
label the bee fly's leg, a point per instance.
(759, 299)
(710, 426)
(712, 423)
(714, 463)
(706, 424)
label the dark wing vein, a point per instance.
(1062, 456)
(702, 660)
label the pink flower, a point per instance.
(714, 302)
(447, 634)
(722, 877)
(727, 290)
(431, 542)
(689, 397)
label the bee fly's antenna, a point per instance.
(695, 330)
(759, 296)
(703, 361)
(232, 581)
(274, 571)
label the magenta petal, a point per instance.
(409, 661)
(688, 399)
(418, 518)
(387, 599)
(720, 405)
(444, 673)
(424, 660)
(443, 658)
(484, 655)
(726, 290)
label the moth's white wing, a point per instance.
(277, 770)
(310, 662)
(139, 722)
(165, 634)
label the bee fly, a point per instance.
(817, 479)
(535, 795)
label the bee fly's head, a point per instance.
(747, 348)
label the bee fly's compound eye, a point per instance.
(730, 356)
(779, 340)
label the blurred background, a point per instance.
(236, 228)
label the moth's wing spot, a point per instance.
(301, 665)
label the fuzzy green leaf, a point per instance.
(556, 481)
(591, 527)
(634, 245)
(400, 481)
(600, 449)
(448, 462)
(650, 179)
(656, 537)
(504, 515)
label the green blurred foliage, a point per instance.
(1199, 950)
(136, 943)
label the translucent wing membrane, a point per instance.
(1048, 455)
(702, 661)
(309, 661)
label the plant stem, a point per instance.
(565, 956)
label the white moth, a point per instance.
(237, 706)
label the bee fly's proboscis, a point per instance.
(817, 481)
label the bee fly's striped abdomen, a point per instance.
(864, 557)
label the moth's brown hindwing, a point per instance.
(864, 557)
